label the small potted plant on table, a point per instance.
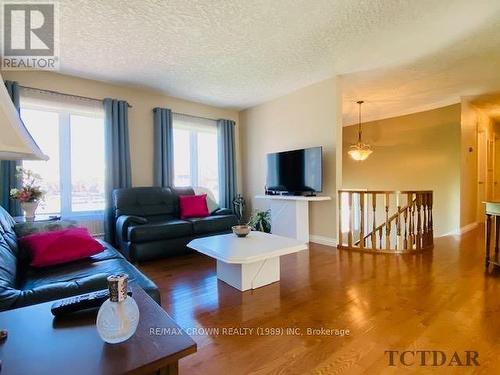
(241, 230)
(261, 221)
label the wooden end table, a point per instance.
(39, 344)
(492, 214)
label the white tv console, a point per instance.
(290, 214)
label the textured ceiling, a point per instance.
(241, 53)
(468, 67)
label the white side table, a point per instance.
(290, 214)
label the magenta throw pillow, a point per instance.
(193, 206)
(61, 246)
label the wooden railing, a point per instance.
(385, 221)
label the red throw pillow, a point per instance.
(61, 246)
(193, 206)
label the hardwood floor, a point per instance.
(439, 300)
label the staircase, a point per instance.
(385, 221)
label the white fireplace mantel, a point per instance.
(290, 214)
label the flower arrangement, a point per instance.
(30, 190)
(239, 207)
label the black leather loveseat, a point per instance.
(22, 285)
(148, 224)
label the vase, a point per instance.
(29, 209)
(118, 316)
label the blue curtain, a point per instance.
(227, 163)
(8, 178)
(117, 155)
(163, 147)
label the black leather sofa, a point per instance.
(148, 224)
(22, 285)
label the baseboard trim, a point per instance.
(463, 230)
(468, 227)
(452, 233)
(322, 240)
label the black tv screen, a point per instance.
(296, 171)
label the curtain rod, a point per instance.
(186, 114)
(65, 94)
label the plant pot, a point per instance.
(29, 209)
(241, 230)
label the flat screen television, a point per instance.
(297, 172)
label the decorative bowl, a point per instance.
(241, 230)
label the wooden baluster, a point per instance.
(349, 234)
(427, 206)
(405, 241)
(387, 224)
(339, 203)
(424, 221)
(414, 220)
(429, 234)
(398, 223)
(410, 221)
(380, 238)
(431, 222)
(362, 220)
(428, 200)
(374, 224)
(419, 221)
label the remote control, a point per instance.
(81, 302)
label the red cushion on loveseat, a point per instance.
(193, 206)
(58, 247)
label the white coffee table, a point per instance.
(249, 262)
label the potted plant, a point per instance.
(261, 221)
(30, 194)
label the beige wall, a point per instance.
(140, 115)
(415, 152)
(305, 118)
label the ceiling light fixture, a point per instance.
(360, 151)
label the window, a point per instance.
(196, 153)
(71, 133)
